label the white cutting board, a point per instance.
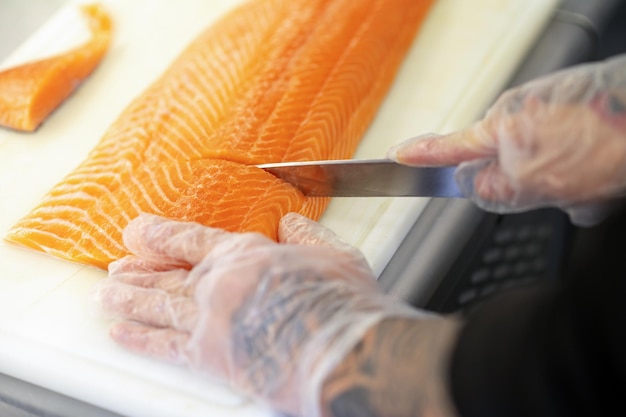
(461, 59)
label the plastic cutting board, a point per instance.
(461, 59)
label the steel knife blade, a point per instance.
(366, 178)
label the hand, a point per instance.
(272, 319)
(556, 141)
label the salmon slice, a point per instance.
(30, 92)
(273, 80)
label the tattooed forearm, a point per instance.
(398, 369)
(611, 108)
(282, 318)
(271, 326)
(617, 103)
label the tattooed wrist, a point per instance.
(398, 369)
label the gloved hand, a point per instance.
(557, 141)
(272, 319)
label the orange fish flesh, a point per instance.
(273, 80)
(29, 93)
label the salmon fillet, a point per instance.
(30, 92)
(273, 80)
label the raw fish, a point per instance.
(29, 93)
(273, 80)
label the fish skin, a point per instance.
(29, 93)
(272, 80)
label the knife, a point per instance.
(366, 178)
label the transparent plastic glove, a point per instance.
(272, 319)
(557, 141)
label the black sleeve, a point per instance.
(550, 351)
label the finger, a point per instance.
(132, 263)
(486, 185)
(145, 305)
(451, 149)
(163, 344)
(170, 243)
(300, 230)
(175, 282)
(493, 185)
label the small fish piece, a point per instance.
(273, 80)
(30, 92)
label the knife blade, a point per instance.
(366, 178)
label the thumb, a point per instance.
(300, 230)
(165, 243)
